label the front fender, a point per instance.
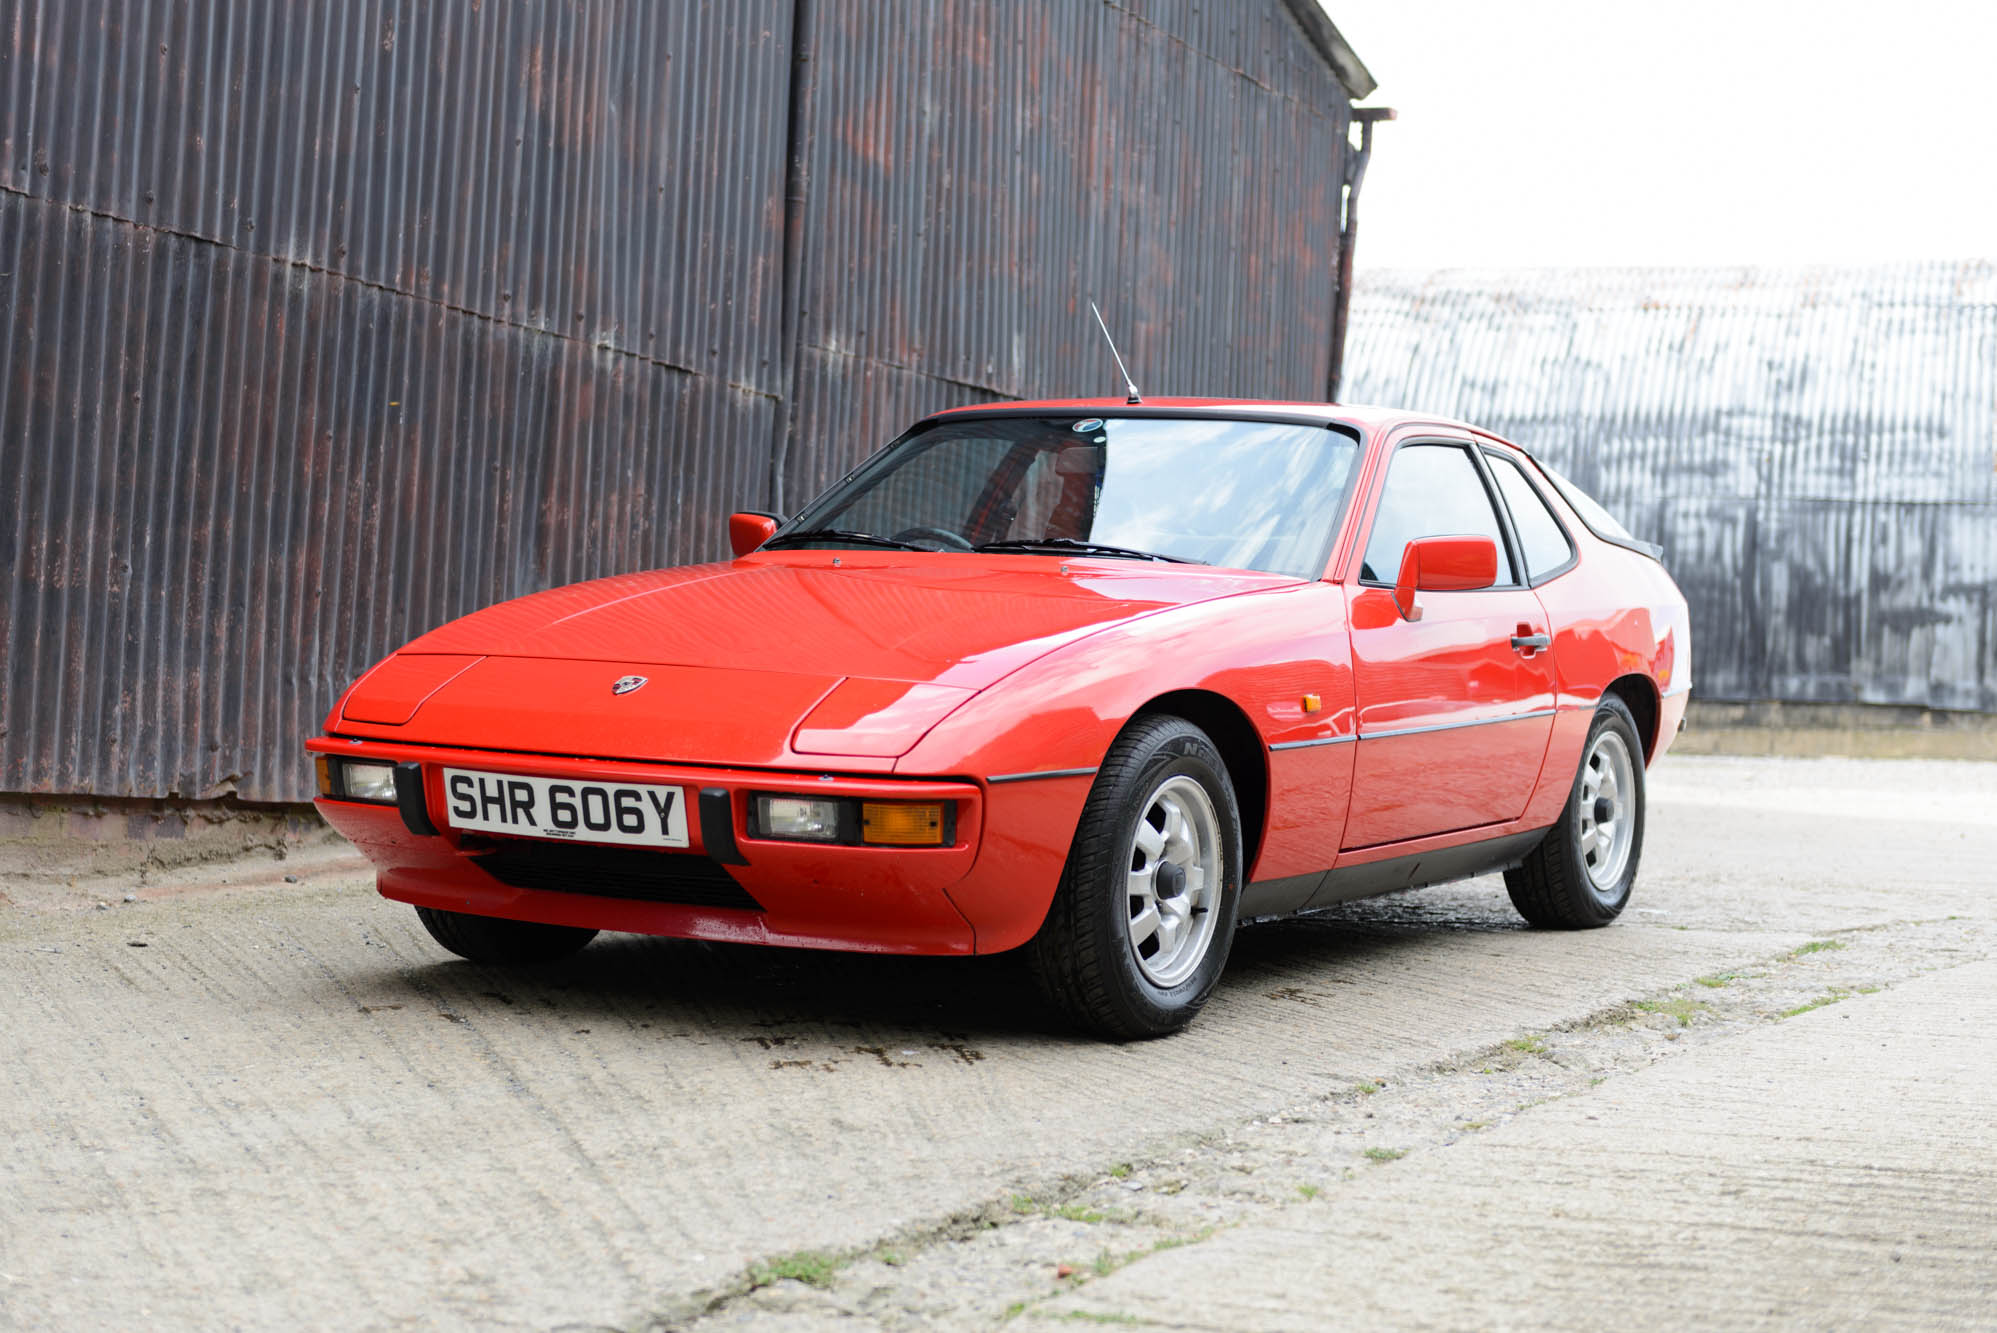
(1037, 737)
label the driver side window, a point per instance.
(1432, 490)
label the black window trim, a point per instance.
(1138, 412)
(1477, 464)
(1525, 474)
(1637, 544)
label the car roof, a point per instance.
(1366, 418)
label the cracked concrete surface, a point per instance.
(285, 1105)
(1838, 1170)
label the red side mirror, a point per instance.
(1444, 564)
(748, 530)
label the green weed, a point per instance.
(814, 1268)
(1677, 1006)
(1828, 997)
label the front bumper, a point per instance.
(987, 891)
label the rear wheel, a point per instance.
(491, 939)
(1141, 926)
(1581, 874)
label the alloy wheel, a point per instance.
(1173, 881)
(1607, 824)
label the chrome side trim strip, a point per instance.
(1455, 726)
(1305, 745)
(1048, 773)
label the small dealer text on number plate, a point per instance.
(640, 814)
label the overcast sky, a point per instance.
(1551, 132)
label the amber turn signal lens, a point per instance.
(902, 823)
(324, 767)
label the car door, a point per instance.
(1454, 707)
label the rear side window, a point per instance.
(1543, 541)
(1432, 490)
(1601, 520)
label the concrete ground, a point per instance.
(1765, 1097)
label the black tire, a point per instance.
(491, 939)
(1083, 956)
(1556, 888)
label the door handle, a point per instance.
(1530, 643)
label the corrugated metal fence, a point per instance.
(1816, 449)
(332, 320)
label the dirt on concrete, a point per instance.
(60, 851)
(286, 1105)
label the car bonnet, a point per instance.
(758, 661)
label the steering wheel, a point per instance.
(948, 540)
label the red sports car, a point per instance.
(1098, 680)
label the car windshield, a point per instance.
(1242, 494)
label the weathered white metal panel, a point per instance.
(1816, 449)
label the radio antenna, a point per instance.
(1129, 384)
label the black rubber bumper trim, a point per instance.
(409, 799)
(717, 827)
(1043, 773)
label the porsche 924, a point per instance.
(1098, 681)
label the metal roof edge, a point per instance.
(1719, 276)
(1332, 46)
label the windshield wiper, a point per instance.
(839, 535)
(1068, 545)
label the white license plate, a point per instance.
(637, 813)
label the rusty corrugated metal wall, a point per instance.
(1179, 163)
(1816, 450)
(332, 320)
